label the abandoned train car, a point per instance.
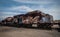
(31, 19)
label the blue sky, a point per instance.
(14, 7)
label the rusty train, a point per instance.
(30, 19)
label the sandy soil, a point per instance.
(26, 32)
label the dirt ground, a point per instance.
(26, 32)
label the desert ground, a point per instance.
(6, 31)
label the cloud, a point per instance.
(16, 10)
(21, 8)
(36, 1)
(53, 10)
(5, 16)
(10, 12)
(47, 6)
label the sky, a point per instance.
(9, 8)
